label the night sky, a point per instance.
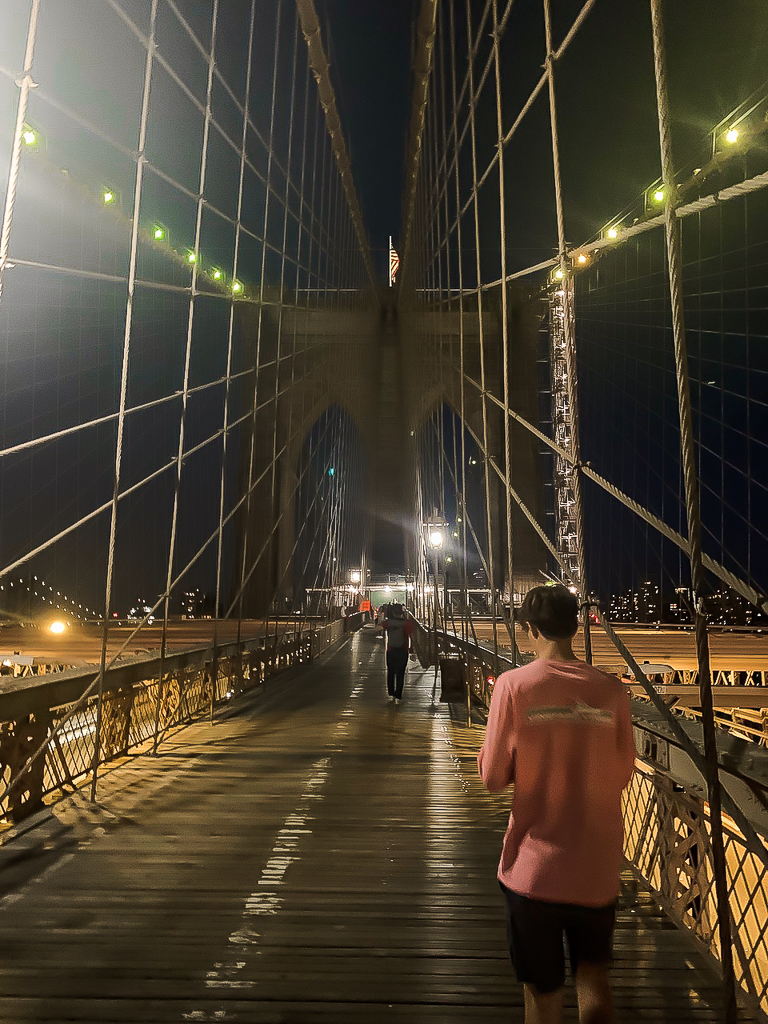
(60, 337)
(370, 50)
(718, 53)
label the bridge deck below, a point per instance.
(320, 856)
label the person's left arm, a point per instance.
(496, 760)
(408, 631)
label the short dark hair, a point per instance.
(552, 609)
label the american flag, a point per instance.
(394, 263)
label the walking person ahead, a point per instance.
(560, 731)
(399, 630)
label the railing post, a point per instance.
(693, 510)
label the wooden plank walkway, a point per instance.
(320, 857)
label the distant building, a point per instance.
(679, 606)
(727, 608)
(623, 607)
(196, 604)
(648, 603)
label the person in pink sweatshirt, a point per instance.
(560, 732)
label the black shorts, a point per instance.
(536, 931)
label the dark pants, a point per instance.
(535, 932)
(397, 662)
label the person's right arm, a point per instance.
(496, 760)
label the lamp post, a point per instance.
(355, 586)
(435, 539)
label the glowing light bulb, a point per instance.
(732, 135)
(57, 627)
(658, 195)
(613, 233)
(191, 257)
(237, 287)
(582, 258)
(558, 274)
(159, 233)
(217, 275)
(30, 137)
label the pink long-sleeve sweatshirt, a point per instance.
(561, 732)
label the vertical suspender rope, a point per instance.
(140, 161)
(279, 354)
(693, 509)
(297, 285)
(302, 231)
(445, 305)
(273, 564)
(230, 337)
(435, 294)
(461, 480)
(481, 336)
(510, 622)
(25, 84)
(569, 334)
(265, 222)
(188, 349)
(441, 283)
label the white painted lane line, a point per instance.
(226, 974)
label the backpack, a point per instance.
(396, 632)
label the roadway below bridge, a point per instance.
(739, 650)
(731, 651)
(81, 644)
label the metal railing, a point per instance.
(668, 845)
(48, 726)
(668, 834)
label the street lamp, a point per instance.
(436, 539)
(434, 529)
